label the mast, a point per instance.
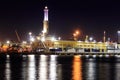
(104, 37)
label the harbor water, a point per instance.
(56, 67)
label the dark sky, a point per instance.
(65, 16)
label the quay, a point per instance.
(85, 54)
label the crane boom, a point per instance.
(17, 36)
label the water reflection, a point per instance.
(104, 69)
(43, 67)
(90, 69)
(24, 67)
(59, 72)
(117, 69)
(52, 68)
(7, 69)
(77, 70)
(31, 68)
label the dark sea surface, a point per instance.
(53, 67)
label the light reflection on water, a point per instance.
(52, 67)
(77, 68)
(90, 68)
(24, 69)
(117, 70)
(104, 71)
(59, 72)
(31, 68)
(43, 67)
(7, 69)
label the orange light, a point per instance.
(77, 68)
(4, 48)
(74, 34)
(77, 32)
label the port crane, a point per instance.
(17, 36)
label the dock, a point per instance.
(85, 54)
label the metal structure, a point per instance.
(17, 36)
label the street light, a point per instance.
(91, 38)
(76, 34)
(32, 39)
(8, 42)
(38, 38)
(30, 33)
(59, 38)
(53, 39)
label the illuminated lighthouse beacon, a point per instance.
(45, 22)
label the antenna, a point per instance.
(104, 37)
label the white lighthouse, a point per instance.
(45, 22)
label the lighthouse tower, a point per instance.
(45, 22)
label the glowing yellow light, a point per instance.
(74, 35)
(38, 38)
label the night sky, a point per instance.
(65, 16)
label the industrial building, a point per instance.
(49, 43)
